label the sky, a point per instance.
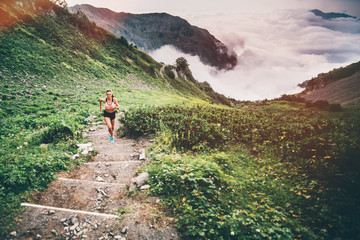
(279, 43)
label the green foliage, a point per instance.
(282, 197)
(213, 205)
(181, 64)
(291, 138)
(293, 98)
(169, 71)
(56, 132)
(216, 97)
(324, 105)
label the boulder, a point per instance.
(138, 181)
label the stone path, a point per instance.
(92, 202)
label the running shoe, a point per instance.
(111, 139)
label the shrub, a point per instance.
(335, 107)
(169, 72)
(54, 133)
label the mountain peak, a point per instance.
(330, 15)
(151, 31)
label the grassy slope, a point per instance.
(54, 67)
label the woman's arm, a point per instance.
(116, 103)
(101, 100)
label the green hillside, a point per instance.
(260, 170)
(54, 66)
(336, 74)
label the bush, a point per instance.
(322, 104)
(53, 134)
(169, 72)
(335, 107)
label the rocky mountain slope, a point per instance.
(340, 85)
(151, 31)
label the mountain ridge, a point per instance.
(341, 85)
(330, 15)
(153, 30)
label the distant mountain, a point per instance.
(340, 85)
(152, 31)
(330, 15)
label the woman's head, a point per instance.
(109, 93)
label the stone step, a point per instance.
(82, 195)
(46, 222)
(53, 209)
(107, 172)
(112, 148)
(108, 157)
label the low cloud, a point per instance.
(275, 51)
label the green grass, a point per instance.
(233, 174)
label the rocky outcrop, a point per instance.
(152, 31)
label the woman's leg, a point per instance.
(109, 125)
(113, 127)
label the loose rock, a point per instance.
(144, 187)
(100, 179)
(138, 181)
(142, 154)
(124, 229)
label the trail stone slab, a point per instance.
(80, 195)
(115, 172)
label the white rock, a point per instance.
(74, 220)
(124, 229)
(142, 154)
(119, 237)
(84, 146)
(144, 187)
(73, 227)
(100, 179)
(75, 156)
(138, 181)
(13, 233)
(85, 152)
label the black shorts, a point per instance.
(109, 115)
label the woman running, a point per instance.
(111, 104)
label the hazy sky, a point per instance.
(279, 43)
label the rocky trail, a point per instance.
(93, 200)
